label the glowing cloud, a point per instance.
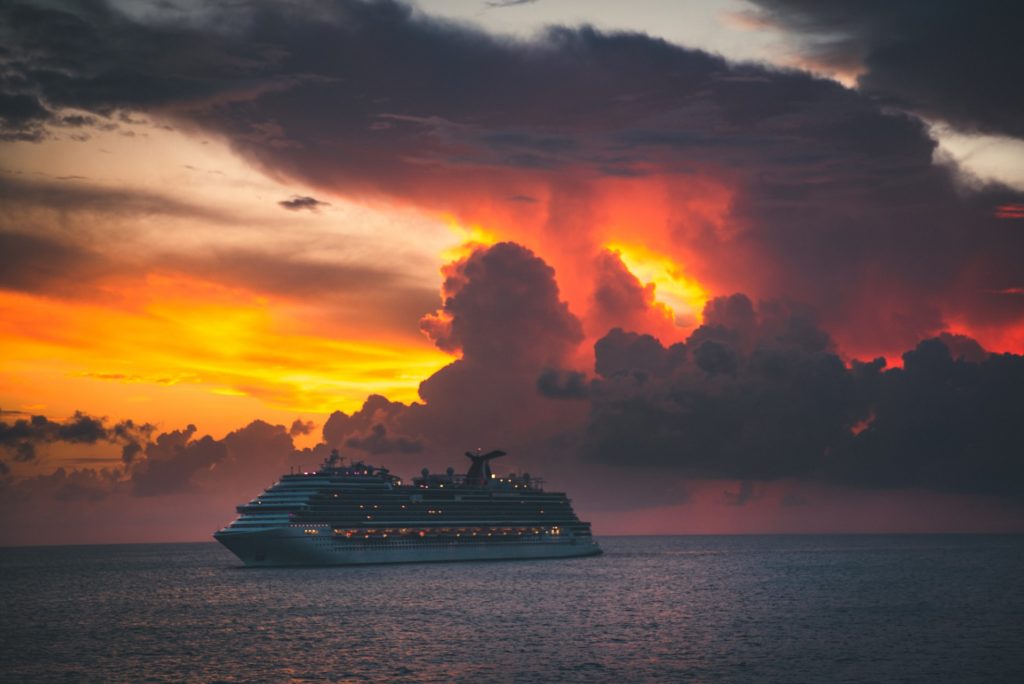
(683, 295)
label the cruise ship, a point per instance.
(358, 514)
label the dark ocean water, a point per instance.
(700, 609)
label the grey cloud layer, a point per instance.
(22, 436)
(956, 61)
(836, 199)
(759, 394)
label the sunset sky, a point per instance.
(708, 266)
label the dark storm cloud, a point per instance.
(621, 352)
(378, 442)
(957, 61)
(941, 423)
(180, 461)
(88, 56)
(501, 309)
(129, 452)
(21, 117)
(21, 437)
(299, 202)
(962, 347)
(834, 195)
(172, 462)
(173, 459)
(718, 411)
(757, 393)
(301, 427)
(562, 384)
(495, 300)
(365, 429)
(769, 399)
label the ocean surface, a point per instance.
(673, 609)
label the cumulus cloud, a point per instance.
(940, 422)
(758, 393)
(366, 430)
(172, 460)
(243, 461)
(21, 437)
(301, 427)
(180, 483)
(501, 305)
(621, 352)
(722, 406)
(378, 442)
(501, 311)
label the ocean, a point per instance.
(669, 609)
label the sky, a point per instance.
(709, 267)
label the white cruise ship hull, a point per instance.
(287, 546)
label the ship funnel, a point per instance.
(480, 471)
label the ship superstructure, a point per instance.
(357, 513)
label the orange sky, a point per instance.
(164, 346)
(171, 281)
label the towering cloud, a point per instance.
(501, 307)
(502, 313)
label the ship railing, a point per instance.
(512, 483)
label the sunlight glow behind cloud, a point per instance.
(682, 294)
